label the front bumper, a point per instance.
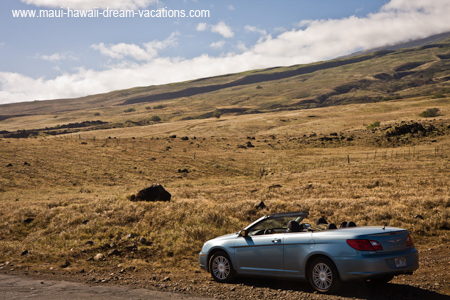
(203, 262)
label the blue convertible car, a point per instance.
(281, 245)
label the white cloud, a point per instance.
(202, 27)
(56, 57)
(415, 5)
(231, 7)
(217, 45)
(122, 50)
(255, 29)
(91, 4)
(241, 47)
(146, 53)
(155, 46)
(18, 88)
(222, 29)
(397, 21)
(302, 23)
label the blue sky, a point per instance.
(65, 57)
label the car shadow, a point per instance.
(359, 290)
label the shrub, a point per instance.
(159, 106)
(128, 110)
(97, 114)
(438, 95)
(217, 114)
(430, 113)
(148, 108)
(373, 125)
(155, 119)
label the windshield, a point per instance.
(274, 224)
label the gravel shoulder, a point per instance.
(431, 281)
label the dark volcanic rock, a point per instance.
(414, 128)
(155, 192)
(114, 252)
(28, 220)
(261, 205)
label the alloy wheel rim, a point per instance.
(322, 276)
(221, 267)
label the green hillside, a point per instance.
(381, 76)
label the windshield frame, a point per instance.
(253, 229)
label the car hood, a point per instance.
(225, 237)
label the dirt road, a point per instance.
(18, 287)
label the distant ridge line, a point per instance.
(252, 79)
(428, 41)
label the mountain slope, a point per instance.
(253, 78)
(380, 76)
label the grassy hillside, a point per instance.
(76, 188)
(382, 76)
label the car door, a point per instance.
(297, 246)
(259, 254)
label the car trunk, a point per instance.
(391, 241)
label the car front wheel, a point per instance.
(221, 267)
(323, 275)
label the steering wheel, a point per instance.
(269, 231)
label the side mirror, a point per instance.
(243, 233)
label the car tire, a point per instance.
(323, 275)
(221, 268)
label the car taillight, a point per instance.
(365, 245)
(409, 241)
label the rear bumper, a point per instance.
(367, 266)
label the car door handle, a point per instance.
(276, 241)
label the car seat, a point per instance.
(294, 226)
(331, 226)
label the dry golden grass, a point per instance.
(76, 187)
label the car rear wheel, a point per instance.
(323, 275)
(221, 267)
